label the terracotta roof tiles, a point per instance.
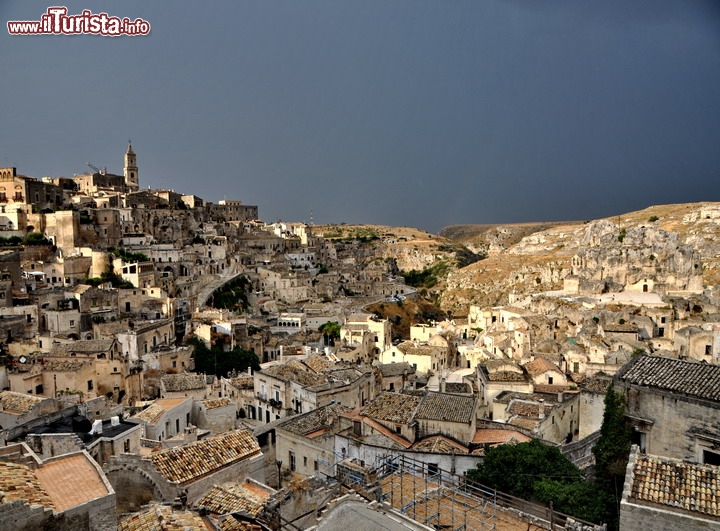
(12, 402)
(697, 379)
(190, 461)
(392, 407)
(677, 484)
(183, 382)
(215, 403)
(162, 518)
(18, 482)
(71, 480)
(233, 497)
(446, 407)
(314, 420)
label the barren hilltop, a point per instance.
(487, 263)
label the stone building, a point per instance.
(189, 470)
(165, 418)
(666, 494)
(37, 494)
(305, 443)
(673, 406)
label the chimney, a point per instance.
(442, 384)
(561, 397)
(541, 409)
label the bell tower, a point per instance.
(130, 171)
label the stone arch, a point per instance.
(133, 487)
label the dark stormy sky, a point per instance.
(423, 113)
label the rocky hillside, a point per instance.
(671, 244)
(407, 248)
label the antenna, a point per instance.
(311, 218)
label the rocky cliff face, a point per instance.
(662, 248)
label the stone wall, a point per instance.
(673, 425)
(137, 482)
(636, 517)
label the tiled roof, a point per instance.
(439, 444)
(190, 461)
(506, 376)
(183, 382)
(539, 366)
(384, 437)
(296, 364)
(83, 346)
(677, 484)
(318, 363)
(409, 349)
(64, 366)
(232, 497)
(243, 382)
(625, 328)
(231, 523)
(526, 423)
(528, 409)
(597, 384)
(697, 379)
(496, 436)
(18, 482)
(445, 407)
(392, 407)
(503, 371)
(215, 403)
(71, 481)
(154, 412)
(287, 373)
(395, 369)
(314, 420)
(12, 402)
(457, 387)
(551, 389)
(162, 518)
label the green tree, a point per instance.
(542, 474)
(219, 362)
(330, 332)
(612, 452)
(515, 468)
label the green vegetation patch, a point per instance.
(231, 295)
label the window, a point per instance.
(304, 460)
(433, 469)
(174, 364)
(398, 429)
(90, 385)
(708, 350)
(711, 458)
(315, 466)
(662, 320)
(292, 460)
(126, 446)
(661, 332)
